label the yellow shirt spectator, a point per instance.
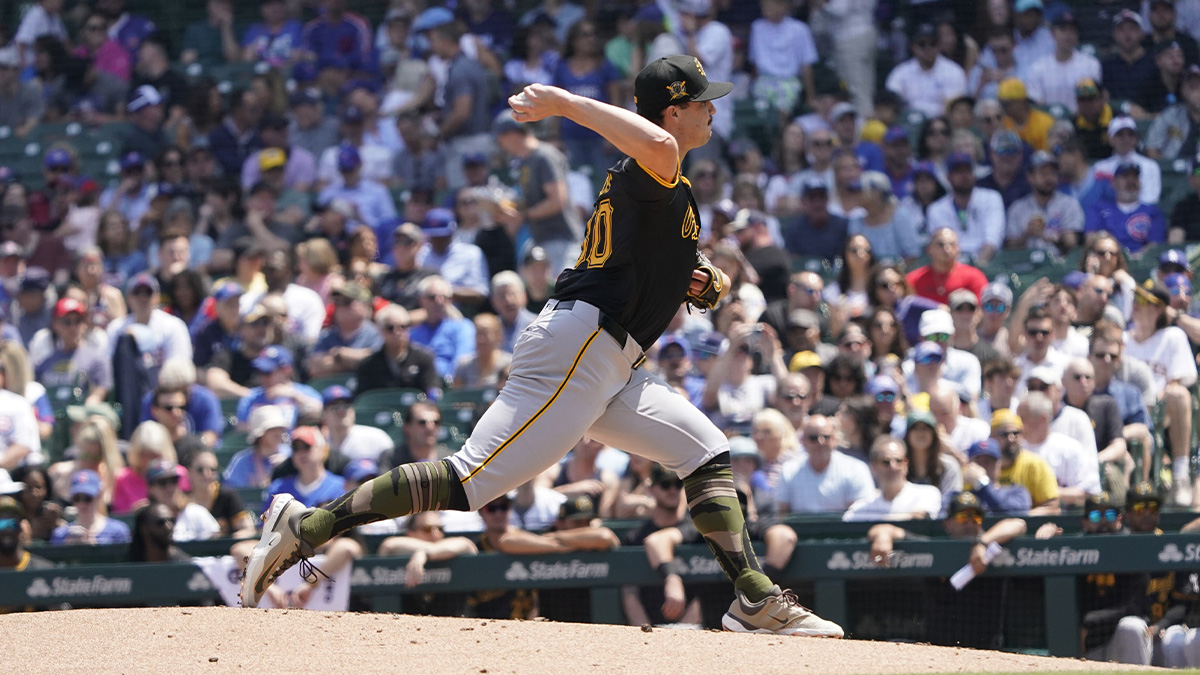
(1032, 473)
(1031, 124)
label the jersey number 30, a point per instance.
(597, 242)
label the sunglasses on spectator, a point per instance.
(396, 327)
(71, 321)
(166, 482)
(926, 359)
(1107, 515)
(496, 508)
(886, 325)
(995, 307)
(891, 461)
(1036, 332)
(886, 285)
(428, 421)
(9, 523)
(885, 397)
(818, 438)
(940, 338)
(823, 143)
(430, 529)
(403, 241)
(841, 377)
(670, 484)
(1144, 507)
(796, 397)
(82, 499)
(1035, 385)
(342, 301)
(964, 517)
(1009, 433)
(1105, 253)
(850, 344)
(163, 522)
(173, 408)
(964, 307)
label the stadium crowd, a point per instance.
(970, 277)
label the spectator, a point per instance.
(291, 170)
(212, 41)
(21, 104)
(823, 480)
(783, 52)
(1052, 80)
(347, 438)
(312, 485)
(1031, 124)
(1166, 350)
(1163, 89)
(153, 68)
(90, 526)
(444, 331)
(1080, 393)
(961, 368)
(1035, 347)
(1164, 20)
(237, 136)
(311, 129)
(508, 298)
(1123, 135)
(489, 363)
(732, 393)
(996, 66)
(219, 333)
(1105, 356)
(424, 541)
(944, 274)
(277, 40)
(96, 451)
(958, 431)
(1021, 467)
(192, 521)
(459, 263)
(74, 360)
(224, 504)
(1006, 177)
(553, 223)
(1074, 465)
(981, 209)
(43, 250)
(303, 307)
(858, 416)
(370, 199)
(294, 401)
(398, 363)
(338, 39)
(128, 30)
(159, 336)
(1046, 219)
(351, 338)
(898, 163)
(897, 498)
(1127, 70)
(465, 116)
(252, 466)
(751, 229)
(153, 534)
(230, 373)
(1127, 216)
(44, 514)
(1174, 132)
(399, 284)
(815, 231)
(981, 476)
(966, 318)
(14, 533)
(43, 18)
(583, 70)
(1091, 122)
(150, 442)
(928, 80)
(422, 426)
(184, 407)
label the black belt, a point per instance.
(606, 324)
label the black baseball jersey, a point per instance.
(639, 251)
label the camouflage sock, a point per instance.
(403, 491)
(717, 514)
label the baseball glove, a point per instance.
(707, 297)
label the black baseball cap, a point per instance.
(672, 80)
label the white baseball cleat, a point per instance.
(279, 548)
(780, 613)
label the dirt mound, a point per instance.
(222, 639)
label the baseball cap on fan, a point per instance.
(672, 80)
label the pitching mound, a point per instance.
(222, 639)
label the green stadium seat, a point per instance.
(229, 410)
(345, 379)
(383, 409)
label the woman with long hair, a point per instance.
(783, 189)
(585, 71)
(1104, 255)
(44, 514)
(858, 420)
(933, 144)
(16, 375)
(887, 338)
(845, 193)
(955, 45)
(930, 461)
(122, 258)
(205, 106)
(849, 292)
(844, 377)
(363, 249)
(96, 450)
(889, 289)
(317, 263)
(892, 238)
(187, 292)
(777, 443)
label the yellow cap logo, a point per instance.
(700, 67)
(677, 89)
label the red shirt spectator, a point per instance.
(944, 274)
